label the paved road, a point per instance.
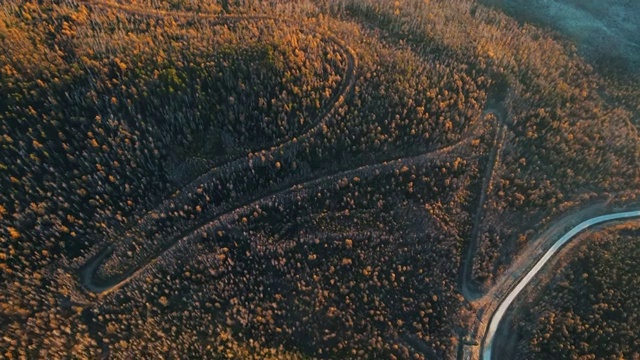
(487, 344)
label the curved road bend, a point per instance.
(497, 316)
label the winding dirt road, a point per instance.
(103, 287)
(469, 291)
(338, 99)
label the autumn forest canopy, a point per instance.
(307, 179)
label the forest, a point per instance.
(293, 180)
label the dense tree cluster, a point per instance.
(589, 309)
(276, 179)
